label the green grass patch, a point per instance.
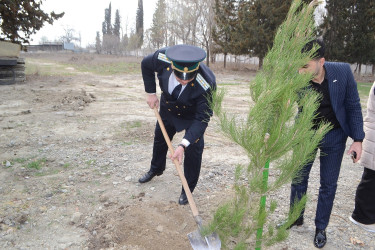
(90, 163)
(19, 160)
(16, 160)
(131, 124)
(126, 143)
(109, 68)
(135, 124)
(52, 172)
(364, 89)
(45, 68)
(38, 164)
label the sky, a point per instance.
(86, 17)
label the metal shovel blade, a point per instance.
(211, 242)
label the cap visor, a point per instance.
(184, 75)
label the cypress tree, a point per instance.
(98, 45)
(104, 28)
(159, 22)
(139, 23)
(107, 30)
(107, 19)
(117, 25)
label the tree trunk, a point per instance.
(373, 70)
(225, 60)
(213, 58)
(260, 63)
(208, 54)
(208, 58)
(359, 69)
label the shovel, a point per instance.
(211, 241)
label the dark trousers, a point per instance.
(364, 211)
(193, 155)
(332, 149)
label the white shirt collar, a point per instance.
(173, 83)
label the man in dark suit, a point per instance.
(340, 106)
(186, 86)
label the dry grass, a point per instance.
(62, 63)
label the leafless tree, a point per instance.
(134, 43)
(111, 44)
(69, 36)
(205, 24)
(183, 21)
(43, 40)
(182, 24)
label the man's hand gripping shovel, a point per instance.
(198, 242)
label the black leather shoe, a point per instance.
(183, 199)
(148, 176)
(320, 238)
(298, 222)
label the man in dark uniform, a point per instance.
(186, 85)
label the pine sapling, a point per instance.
(275, 136)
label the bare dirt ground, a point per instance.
(73, 145)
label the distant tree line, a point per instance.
(235, 27)
(113, 40)
(247, 27)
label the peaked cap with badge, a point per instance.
(185, 60)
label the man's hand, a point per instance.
(356, 147)
(152, 100)
(178, 154)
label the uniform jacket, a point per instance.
(191, 110)
(345, 99)
(368, 149)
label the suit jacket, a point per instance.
(191, 110)
(345, 99)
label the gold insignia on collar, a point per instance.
(168, 68)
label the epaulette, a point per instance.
(163, 58)
(202, 82)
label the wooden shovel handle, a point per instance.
(190, 198)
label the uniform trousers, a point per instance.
(193, 154)
(364, 211)
(332, 149)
